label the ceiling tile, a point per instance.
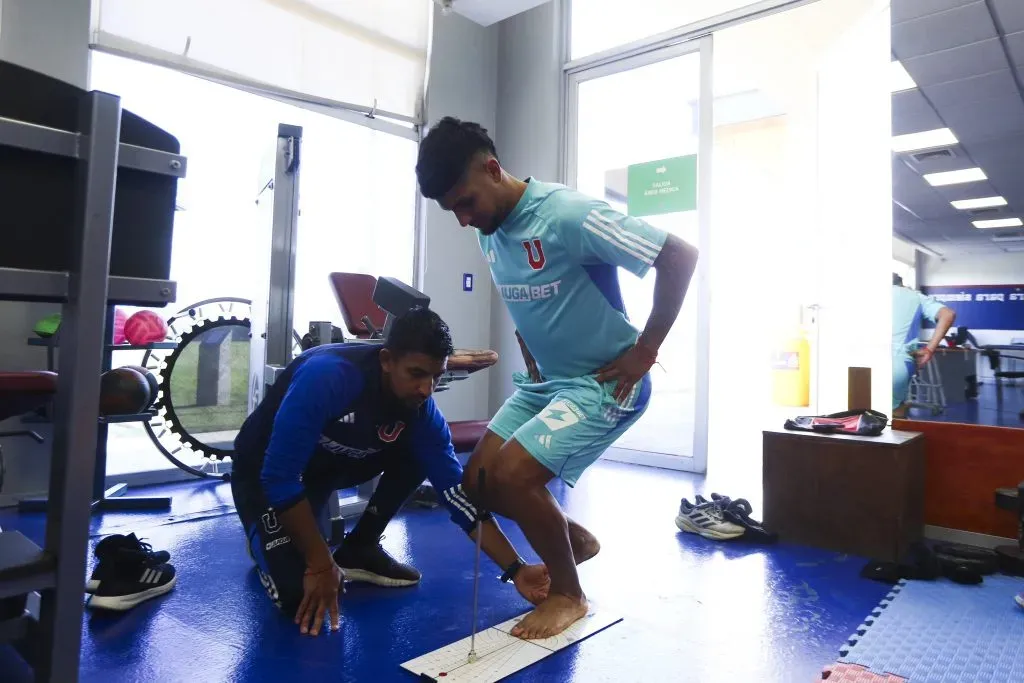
(960, 26)
(1015, 43)
(1004, 152)
(992, 118)
(1011, 187)
(929, 207)
(960, 62)
(904, 10)
(1009, 12)
(986, 86)
(911, 113)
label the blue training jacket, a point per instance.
(327, 405)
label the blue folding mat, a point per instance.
(943, 632)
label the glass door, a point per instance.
(638, 140)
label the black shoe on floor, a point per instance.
(738, 512)
(127, 586)
(117, 552)
(371, 563)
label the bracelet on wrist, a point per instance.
(512, 570)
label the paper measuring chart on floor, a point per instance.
(500, 654)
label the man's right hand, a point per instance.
(320, 589)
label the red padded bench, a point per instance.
(466, 434)
(21, 392)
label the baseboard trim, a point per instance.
(664, 461)
(941, 533)
(11, 499)
(171, 475)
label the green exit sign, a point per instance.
(665, 186)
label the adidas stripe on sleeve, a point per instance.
(433, 451)
(608, 236)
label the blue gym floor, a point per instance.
(694, 610)
(985, 409)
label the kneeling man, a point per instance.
(338, 416)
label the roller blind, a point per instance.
(352, 53)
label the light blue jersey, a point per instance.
(909, 308)
(555, 263)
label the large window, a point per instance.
(357, 201)
(599, 25)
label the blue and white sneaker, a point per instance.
(705, 519)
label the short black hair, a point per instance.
(446, 152)
(420, 330)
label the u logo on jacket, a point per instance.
(390, 433)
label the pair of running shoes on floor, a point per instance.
(128, 572)
(721, 519)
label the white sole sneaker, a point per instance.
(92, 585)
(376, 579)
(121, 603)
(686, 525)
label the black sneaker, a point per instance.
(117, 551)
(738, 512)
(129, 585)
(372, 564)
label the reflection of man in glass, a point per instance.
(909, 308)
(554, 255)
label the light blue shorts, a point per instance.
(903, 369)
(566, 424)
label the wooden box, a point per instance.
(852, 494)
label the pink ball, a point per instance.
(119, 320)
(145, 327)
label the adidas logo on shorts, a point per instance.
(545, 440)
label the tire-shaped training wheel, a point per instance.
(166, 430)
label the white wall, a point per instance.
(52, 37)
(463, 83)
(1004, 269)
(528, 142)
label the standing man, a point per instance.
(909, 308)
(554, 255)
(338, 416)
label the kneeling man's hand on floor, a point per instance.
(320, 599)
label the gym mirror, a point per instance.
(958, 200)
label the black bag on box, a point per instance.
(859, 422)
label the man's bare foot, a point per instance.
(551, 617)
(584, 544)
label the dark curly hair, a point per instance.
(420, 330)
(446, 152)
